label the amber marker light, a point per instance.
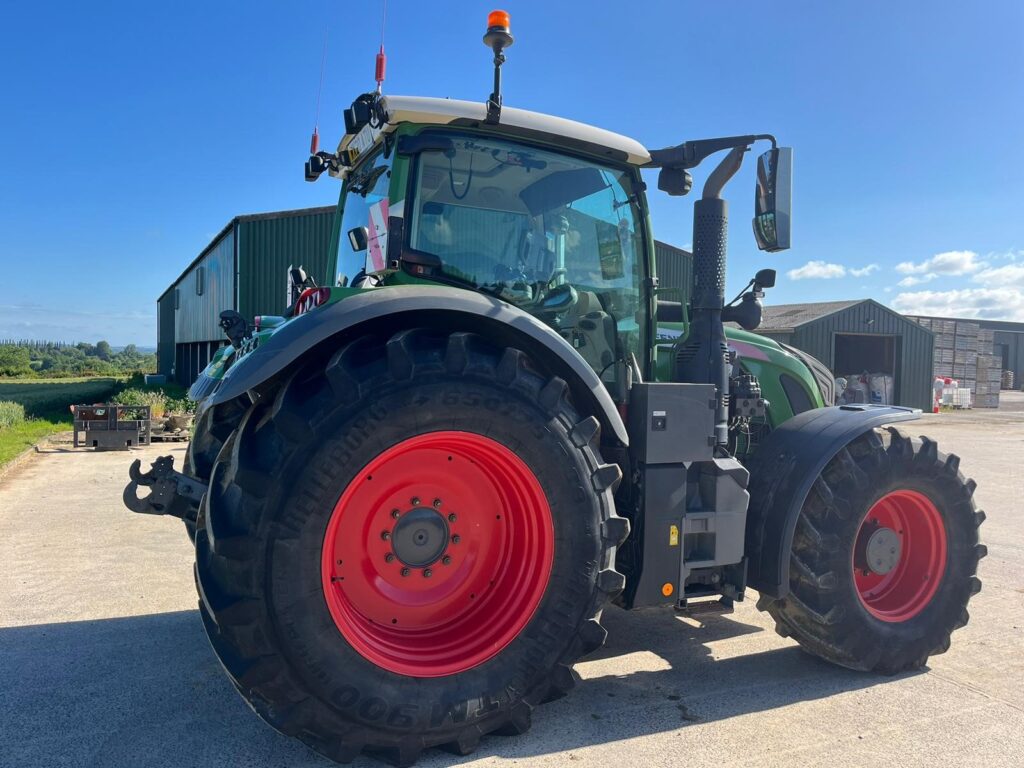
(499, 20)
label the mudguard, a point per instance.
(782, 472)
(450, 308)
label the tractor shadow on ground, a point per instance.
(148, 690)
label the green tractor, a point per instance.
(412, 495)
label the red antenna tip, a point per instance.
(314, 142)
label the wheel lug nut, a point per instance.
(415, 501)
(456, 539)
(446, 560)
(405, 571)
(427, 573)
(395, 514)
(437, 502)
(385, 535)
(389, 558)
(451, 518)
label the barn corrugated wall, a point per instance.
(914, 375)
(204, 291)
(268, 244)
(674, 268)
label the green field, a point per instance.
(47, 404)
(52, 397)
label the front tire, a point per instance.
(340, 621)
(884, 556)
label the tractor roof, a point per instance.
(558, 130)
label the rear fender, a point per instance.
(782, 473)
(399, 307)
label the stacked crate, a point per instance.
(963, 351)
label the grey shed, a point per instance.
(859, 336)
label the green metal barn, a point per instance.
(243, 268)
(853, 337)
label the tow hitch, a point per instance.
(172, 493)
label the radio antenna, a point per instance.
(382, 59)
(314, 142)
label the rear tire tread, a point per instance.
(233, 607)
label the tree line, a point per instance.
(57, 359)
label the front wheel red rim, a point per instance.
(899, 556)
(437, 554)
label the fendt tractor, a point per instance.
(413, 493)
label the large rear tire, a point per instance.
(212, 428)
(884, 556)
(408, 547)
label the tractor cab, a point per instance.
(546, 214)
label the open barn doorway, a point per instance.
(873, 359)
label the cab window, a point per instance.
(365, 209)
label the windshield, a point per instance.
(554, 234)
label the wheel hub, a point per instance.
(882, 552)
(420, 537)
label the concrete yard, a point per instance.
(103, 659)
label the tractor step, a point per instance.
(723, 605)
(171, 493)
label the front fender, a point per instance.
(782, 472)
(406, 306)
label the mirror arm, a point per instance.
(690, 154)
(724, 171)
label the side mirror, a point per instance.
(773, 199)
(358, 238)
(765, 278)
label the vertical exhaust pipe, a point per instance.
(703, 357)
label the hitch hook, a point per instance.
(171, 493)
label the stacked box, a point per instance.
(1007, 380)
(963, 351)
(986, 337)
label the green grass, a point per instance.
(47, 404)
(14, 440)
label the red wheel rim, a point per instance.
(437, 554)
(910, 522)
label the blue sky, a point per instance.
(131, 133)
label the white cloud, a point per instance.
(910, 280)
(817, 269)
(864, 271)
(946, 263)
(1010, 275)
(1005, 303)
